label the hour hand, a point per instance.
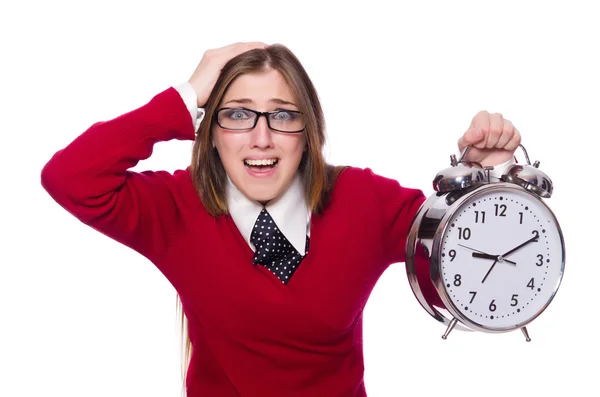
(484, 256)
(493, 257)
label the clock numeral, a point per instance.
(493, 305)
(537, 234)
(530, 283)
(500, 209)
(452, 254)
(473, 297)
(464, 234)
(477, 216)
(520, 218)
(457, 280)
(513, 300)
(540, 261)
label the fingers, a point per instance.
(495, 130)
(208, 70)
(508, 132)
(224, 54)
(514, 142)
(481, 122)
(243, 45)
(498, 132)
(470, 137)
(235, 49)
(256, 44)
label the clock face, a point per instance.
(501, 258)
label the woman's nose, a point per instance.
(261, 134)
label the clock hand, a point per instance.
(484, 256)
(533, 239)
(494, 257)
(488, 272)
(473, 249)
(481, 254)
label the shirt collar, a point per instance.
(289, 212)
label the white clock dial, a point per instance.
(501, 258)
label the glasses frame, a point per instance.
(258, 115)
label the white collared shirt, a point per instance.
(289, 212)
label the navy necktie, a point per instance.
(273, 250)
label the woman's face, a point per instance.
(261, 162)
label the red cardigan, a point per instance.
(251, 334)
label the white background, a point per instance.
(81, 315)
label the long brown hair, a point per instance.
(207, 171)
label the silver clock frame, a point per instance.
(426, 232)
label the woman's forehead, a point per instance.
(259, 88)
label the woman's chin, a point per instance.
(262, 194)
(262, 197)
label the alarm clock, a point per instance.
(486, 254)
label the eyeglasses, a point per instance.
(238, 119)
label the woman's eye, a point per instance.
(283, 116)
(239, 115)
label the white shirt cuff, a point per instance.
(189, 97)
(499, 169)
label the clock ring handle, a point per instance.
(466, 149)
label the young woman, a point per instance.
(272, 251)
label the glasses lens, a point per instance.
(244, 119)
(236, 119)
(287, 120)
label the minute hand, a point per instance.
(533, 239)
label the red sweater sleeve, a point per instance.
(90, 178)
(398, 206)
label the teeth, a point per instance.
(261, 162)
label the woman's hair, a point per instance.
(207, 171)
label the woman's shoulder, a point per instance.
(364, 181)
(351, 175)
(182, 189)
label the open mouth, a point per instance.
(261, 165)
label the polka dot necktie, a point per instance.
(273, 250)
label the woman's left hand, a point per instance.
(493, 139)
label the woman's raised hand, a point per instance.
(207, 72)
